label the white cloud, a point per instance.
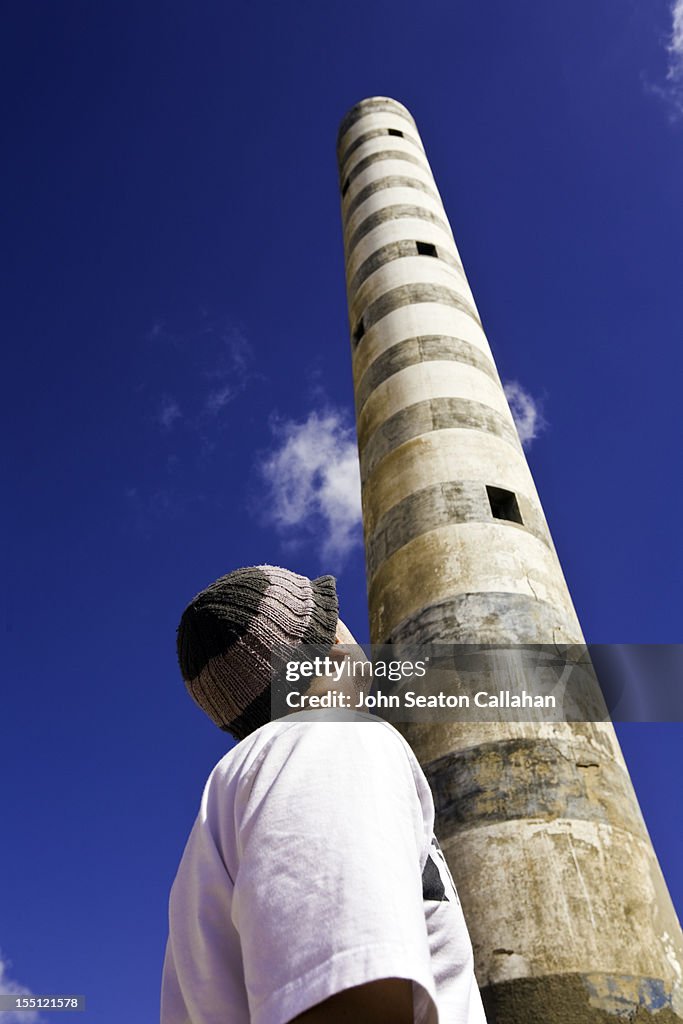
(10, 987)
(314, 482)
(526, 412)
(672, 89)
(675, 48)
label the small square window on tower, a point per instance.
(504, 505)
(345, 187)
(396, 132)
(426, 249)
(359, 331)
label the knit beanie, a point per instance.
(233, 636)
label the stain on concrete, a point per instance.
(537, 779)
(580, 999)
(486, 618)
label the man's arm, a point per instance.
(388, 1001)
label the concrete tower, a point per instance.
(569, 914)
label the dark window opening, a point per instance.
(359, 331)
(345, 187)
(504, 505)
(396, 132)
(426, 249)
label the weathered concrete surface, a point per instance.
(569, 915)
(579, 999)
(470, 557)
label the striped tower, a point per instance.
(569, 914)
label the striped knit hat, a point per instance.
(233, 635)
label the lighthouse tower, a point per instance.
(569, 915)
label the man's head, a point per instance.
(232, 634)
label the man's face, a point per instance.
(345, 649)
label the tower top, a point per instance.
(372, 104)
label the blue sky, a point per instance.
(176, 345)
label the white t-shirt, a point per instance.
(311, 868)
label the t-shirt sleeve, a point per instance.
(331, 844)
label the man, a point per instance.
(311, 888)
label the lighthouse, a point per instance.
(569, 914)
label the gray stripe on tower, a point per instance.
(560, 780)
(481, 618)
(367, 137)
(396, 251)
(419, 350)
(391, 181)
(424, 417)
(455, 501)
(384, 155)
(411, 295)
(395, 212)
(562, 892)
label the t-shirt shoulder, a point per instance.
(246, 755)
(362, 736)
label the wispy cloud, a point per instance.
(8, 986)
(526, 412)
(219, 398)
(148, 506)
(189, 375)
(169, 412)
(672, 88)
(313, 482)
(231, 372)
(214, 362)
